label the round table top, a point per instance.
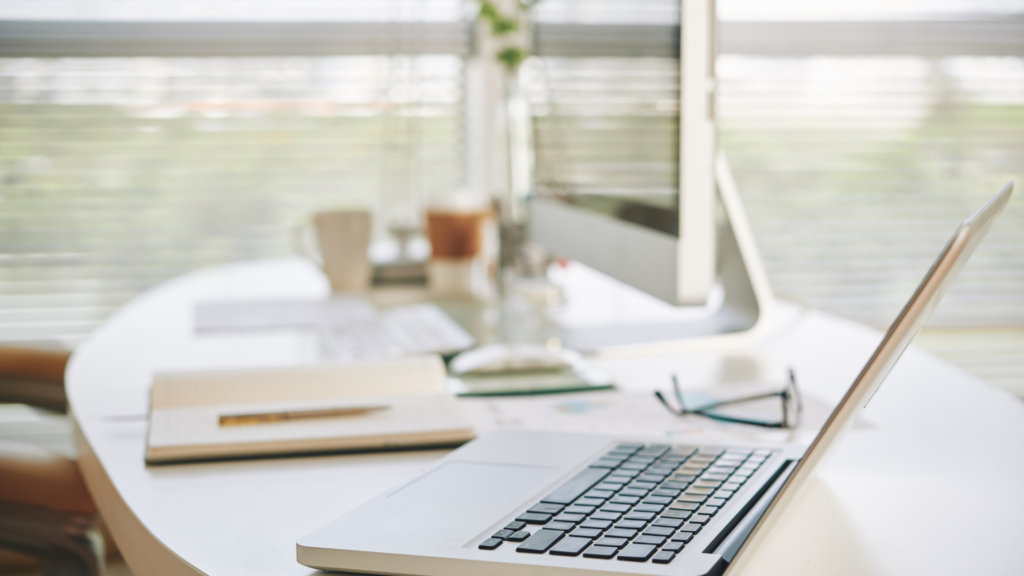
(893, 498)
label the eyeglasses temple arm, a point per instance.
(679, 395)
(666, 404)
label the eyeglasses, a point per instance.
(789, 396)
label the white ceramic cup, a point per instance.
(343, 241)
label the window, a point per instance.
(118, 172)
(859, 135)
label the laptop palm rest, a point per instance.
(474, 483)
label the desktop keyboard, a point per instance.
(415, 329)
(636, 503)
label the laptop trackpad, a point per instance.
(475, 483)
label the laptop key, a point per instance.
(639, 516)
(670, 522)
(675, 485)
(632, 524)
(656, 449)
(540, 541)
(620, 533)
(567, 517)
(518, 536)
(615, 508)
(690, 527)
(575, 509)
(609, 485)
(658, 500)
(602, 552)
(545, 508)
(490, 544)
(692, 498)
(515, 526)
(659, 531)
(700, 490)
(502, 534)
(534, 518)
(663, 557)
(708, 510)
(683, 537)
(599, 524)
(606, 463)
(603, 515)
(666, 492)
(589, 502)
(647, 507)
(682, 514)
(570, 546)
(648, 539)
(563, 526)
(673, 547)
(601, 494)
(625, 500)
(700, 518)
(722, 477)
(719, 502)
(637, 552)
(611, 541)
(707, 483)
(585, 533)
(634, 466)
(576, 486)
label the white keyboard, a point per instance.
(415, 329)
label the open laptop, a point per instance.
(544, 503)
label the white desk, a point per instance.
(936, 486)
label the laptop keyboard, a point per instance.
(638, 502)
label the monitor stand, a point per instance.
(740, 316)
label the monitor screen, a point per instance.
(624, 141)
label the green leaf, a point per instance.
(512, 56)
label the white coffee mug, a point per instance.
(343, 241)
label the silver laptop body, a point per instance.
(435, 524)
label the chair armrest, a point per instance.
(34, 475)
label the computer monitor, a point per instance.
(661, 243)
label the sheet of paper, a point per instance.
(630, 415)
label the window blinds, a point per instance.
(118, 173)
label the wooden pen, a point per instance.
(271, 417)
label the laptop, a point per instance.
(543, 503)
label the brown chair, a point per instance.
(45, 509)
